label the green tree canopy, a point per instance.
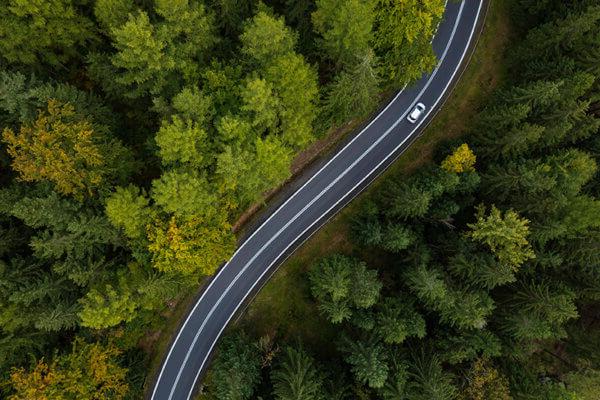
(236, 369)
(48, 32)
(346, 28)
(184, 193)
(265, 38)
(126, 208)
(297, 377)
(368, 360)
(182, 142)
(506, 236)
(403, 30)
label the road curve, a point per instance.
(348, 172)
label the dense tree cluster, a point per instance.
(133, 136)
(484, 272)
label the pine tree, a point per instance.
(456, 348)
(428, 380)
(396, 320)
(297, 377)
(353, 92)
(395, 386)
(368, 360)
(236, 369)
(331, 277)
(537, 310)
(397, 237)
(366, 286)
(158, 57)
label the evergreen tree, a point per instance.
(506, 236)
(353, 92)
(428, 380)
(365, 286)
(395, 386)
(236, 369)
(538, 311)
(158, 57)
(368, 360)
(397, 319)
(456, 348)
(297, 377)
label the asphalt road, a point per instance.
(326, 192)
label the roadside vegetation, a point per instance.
(471, 269)
(134, 134)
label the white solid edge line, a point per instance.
(267, 220)
(320, 170)
(271, 216)
(334, 205)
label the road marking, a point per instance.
(334, 205)
(263, 224)
(312, 202)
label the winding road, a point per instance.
(328, 190)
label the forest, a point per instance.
(477, 277)
(135, 133)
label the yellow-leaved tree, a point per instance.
(62, 147)
(461, 160)
(89, 372)
(190, 245)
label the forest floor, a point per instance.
(284, 307)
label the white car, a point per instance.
(416, 113)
